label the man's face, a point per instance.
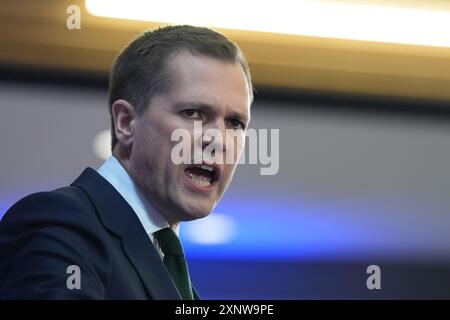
(203, 89)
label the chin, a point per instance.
(196, 211)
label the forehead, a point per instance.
(209, 81)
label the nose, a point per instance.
(214, 135)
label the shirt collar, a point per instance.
(119, 178)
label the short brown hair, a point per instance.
(139, 71)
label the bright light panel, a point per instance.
(299, 17)
(214, 229)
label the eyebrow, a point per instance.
(208, 108)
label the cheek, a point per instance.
(237, 145)
(162, 134)
(153, 150)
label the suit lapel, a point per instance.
(118, 217)
(196, 296)
(148, 263)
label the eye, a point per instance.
(191, 113)
(236, 124)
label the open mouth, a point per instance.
(203, 175)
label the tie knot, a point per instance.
(169, 242)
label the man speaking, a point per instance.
(113, 233)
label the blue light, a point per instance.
(274, 230)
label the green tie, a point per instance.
(175, 262)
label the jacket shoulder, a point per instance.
(46, 232)
(63, 203)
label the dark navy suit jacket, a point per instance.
(87, 224)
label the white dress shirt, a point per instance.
(119, 178)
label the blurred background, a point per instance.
(360, 93)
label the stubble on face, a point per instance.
(199, 81)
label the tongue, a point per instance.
(199, 172)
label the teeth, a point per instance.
(200, 180)
(207, 167)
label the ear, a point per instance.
(125, 116)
